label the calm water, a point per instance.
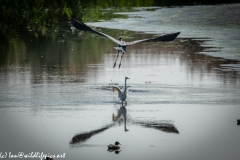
(52, 91)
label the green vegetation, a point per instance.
(43, 17)
(36, 34)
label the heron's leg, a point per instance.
(121, 60)
(116, 59)
(125, 104)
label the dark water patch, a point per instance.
(79, 138)
(162, 126)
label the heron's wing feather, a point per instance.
(122, 43)
(163, 38)
(81, 26)
(118, 90)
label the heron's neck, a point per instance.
(125, 88)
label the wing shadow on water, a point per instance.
(162, 126)
(82, 137)
(122, 116)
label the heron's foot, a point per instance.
(119, 66)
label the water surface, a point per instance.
(52, 91)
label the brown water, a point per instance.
(51, 92)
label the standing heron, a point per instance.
(122, 93)
(122, 44)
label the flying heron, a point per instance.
(122, 44)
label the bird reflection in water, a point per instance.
(121, 115)
(159, 125)
(114, 148)
(82, 137)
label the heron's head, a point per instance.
(117, 143)
(127, 78)
(120, 38)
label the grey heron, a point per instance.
(122, 93)
(122, 44)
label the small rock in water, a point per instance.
(238, 122)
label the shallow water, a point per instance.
(51, 92)
(219, 24)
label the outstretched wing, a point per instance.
(119, 91)
(84, 27)
(163, 38)
(81, 26)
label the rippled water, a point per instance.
(181, 104)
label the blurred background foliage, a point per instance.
(44, 17)
(36, 35)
